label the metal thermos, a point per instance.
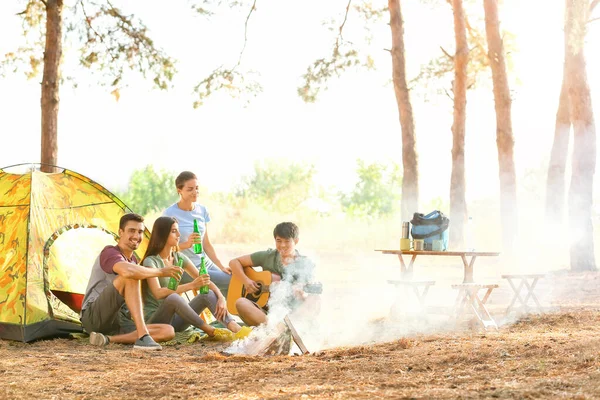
(405, 230)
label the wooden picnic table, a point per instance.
(406, 271)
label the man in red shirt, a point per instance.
(114, 281)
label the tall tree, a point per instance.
(439, 72)
(466, 69)
(555, 184)
(344, 56)
(458, 204)
(584, 139)
(50, 84)
(109, 42)
(410, 181)
(504, 134)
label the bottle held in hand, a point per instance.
(174, 283)
(197, 246)
(202, 271)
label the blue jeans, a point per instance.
(219, 278)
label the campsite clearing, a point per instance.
(540, 356)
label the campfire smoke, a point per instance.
(357, 303)
(276, 336)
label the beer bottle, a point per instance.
(197, 246)
(203, 271)
(173, 283)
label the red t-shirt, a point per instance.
(111, 255)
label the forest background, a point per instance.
(264, 155)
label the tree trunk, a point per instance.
(458, 204)
(50, 84)
(410, 180)
(555, 186)
(504, 134)
(584, 140)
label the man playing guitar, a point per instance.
(284, 263)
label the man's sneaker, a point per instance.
(98, 339)
(146, 343)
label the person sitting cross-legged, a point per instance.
(286, 266)
(115, 281)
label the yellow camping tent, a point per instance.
(52, 228)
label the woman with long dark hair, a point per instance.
(163, 305)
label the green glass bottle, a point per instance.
(197, 246)
(202, 271)
(173, 283)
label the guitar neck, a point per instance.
(311, 288)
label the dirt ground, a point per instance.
(550, 355)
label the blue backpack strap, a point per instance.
(430, 234)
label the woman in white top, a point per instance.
(186, 210)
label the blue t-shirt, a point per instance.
(186, 227)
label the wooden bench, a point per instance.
(529, 291)
(468, 299)
(420, 288)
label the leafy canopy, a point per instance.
(280, 184)
(150, 190)
(109, 42)
(377, 192)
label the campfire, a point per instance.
(275, 338)
(277, 342)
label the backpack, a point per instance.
(430, 227)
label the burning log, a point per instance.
(295, 335)
(279, 342)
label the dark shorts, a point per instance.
(102, 315)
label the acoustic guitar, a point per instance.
(263, 280)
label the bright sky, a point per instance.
(356, 118)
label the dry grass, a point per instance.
(554, 355)
(541, 356)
